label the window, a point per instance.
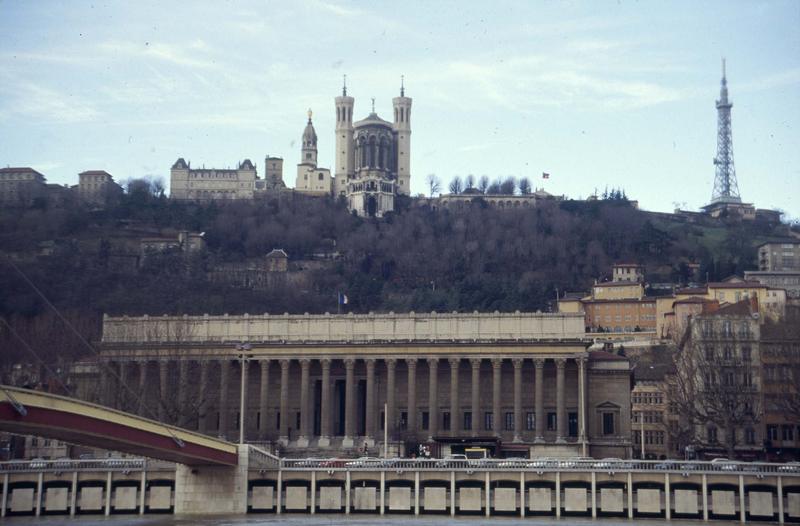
(772, 432)
(750, 436)
(509, 421)
(297, 420)
(446, 420)
(730, 379)
(383, 421)
(709, 353)
(787, 432)
(711, 433)
(726, 327)
(727, 354)
(746, 354)
(277, 420)
(551, 422)
(308, 156)
(321, 176)
(488, 421)
(403, 420)
(467, 420)
(608, 423)
(530, 421)
(572, 424)
(425, 420)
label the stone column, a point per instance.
(561, 412)
(202, 408)
(263, 400)
(476, 394)
(412, 396)
(325, 405)
(124, 394)
(541, 418)
(305, 369)
(455, 421)
(224, 374)
(143, 387)
(369, 420)
(163, 392)
(349, 403)
(497, 365)
(105, 383)
(283, 434)
(391, 364)
(183, 392)
(582, 404)
(433, 397)
(517, 399)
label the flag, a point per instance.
(545, 175)
(342, 299)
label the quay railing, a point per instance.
(542, 465)
(69, 465)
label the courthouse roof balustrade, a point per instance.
(345, 328)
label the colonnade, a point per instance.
(193, 385)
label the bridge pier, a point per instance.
(212, 489)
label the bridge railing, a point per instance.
(261, 459)
(538, 465)
(69, 465)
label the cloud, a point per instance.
(33, 100)
(196, 54)
(336, 9)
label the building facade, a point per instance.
(783, 256)
(210, 184)
(97, 186)
(312, 179)
(21, 185)
(518, 384)
(719, 386)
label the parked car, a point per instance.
(790, 467)
(724, 464)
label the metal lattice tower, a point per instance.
(726, 189)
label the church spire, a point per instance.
(402, 86)
(344, 86)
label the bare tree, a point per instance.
(494, 188)
(433, 184)
(508, 186)
(455, 185)
(716, 387)
(483, 184)
(469, 182)
(524, 186)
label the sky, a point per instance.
(598, 94)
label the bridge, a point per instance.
(28, 412)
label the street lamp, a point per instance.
(242, 348)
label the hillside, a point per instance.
(418, 259)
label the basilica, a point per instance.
(373, 162)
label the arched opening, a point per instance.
(372, 206)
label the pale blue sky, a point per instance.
(595, 93)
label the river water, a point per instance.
(338, 520)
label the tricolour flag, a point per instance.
(545, 175)
(342, 299)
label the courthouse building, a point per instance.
(519, 384)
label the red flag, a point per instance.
(545, 175)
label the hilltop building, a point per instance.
(312, 179)
(21, 185)
(208, 184)
(97, 186)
